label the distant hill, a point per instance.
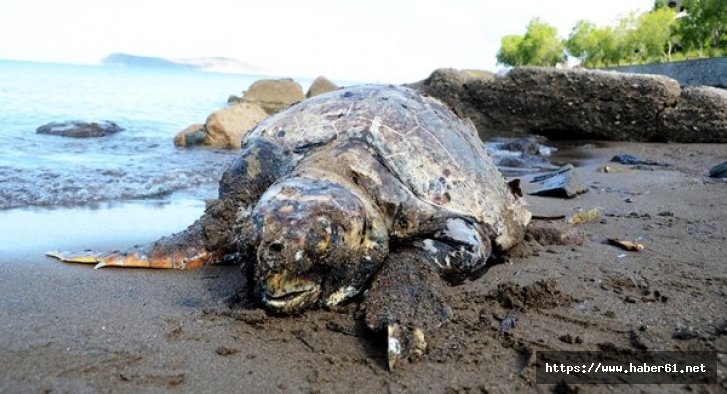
(212, 64)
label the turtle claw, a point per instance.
(404, 343)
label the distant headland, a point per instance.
(212, 64)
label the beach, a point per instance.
(70, 328)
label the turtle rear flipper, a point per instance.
(181, 251)
(405, 301)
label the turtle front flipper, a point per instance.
(405, 301)
(180, 251)
(223, 231)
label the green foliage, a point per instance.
(704, 27)
(635, 39)
(654, 36)
(540, 46)
(594, 46)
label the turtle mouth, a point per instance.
(291, 301)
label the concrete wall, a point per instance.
(709, 72)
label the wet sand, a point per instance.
(69, 328)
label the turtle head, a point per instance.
(319, 243)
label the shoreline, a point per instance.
(68, 327)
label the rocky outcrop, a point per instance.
(319, 86)
(700, 115)
(574, 104)
(224, 128)
(273, 95)
(80, 129)
(567, 104)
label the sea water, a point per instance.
(141, 162)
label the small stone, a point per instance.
(685, 333)
(567, 338)
(225, 351)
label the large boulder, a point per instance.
(273, 95)
(700, 115)
(575, 104)
(567, 104)
(319, 86)
(224, 128)
(80, 129)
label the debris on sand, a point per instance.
(631, 160)
(518, 156)
(563, 183)
(612, 169)
(719, 171)
(626, 245)
(585, 217)
(509, 321)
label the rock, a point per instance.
(273, 95)
(582, 104)
(700, 115)
(719, 171)
(571, 104)
(562, 183)
(231, 99)
(319, 86)
(225, 128)
(631, 160)
(192, 135)
(80, 129)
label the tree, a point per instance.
(593, 46)
(635, 39)
(540, 46)
(651, 37)
(704, 27)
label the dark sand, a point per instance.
(69, 328)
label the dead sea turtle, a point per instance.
(372, 190)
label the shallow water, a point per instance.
(79, 228)
(152, 105)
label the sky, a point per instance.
(366, 40)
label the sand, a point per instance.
(69, 328)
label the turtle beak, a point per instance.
(284, 293)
